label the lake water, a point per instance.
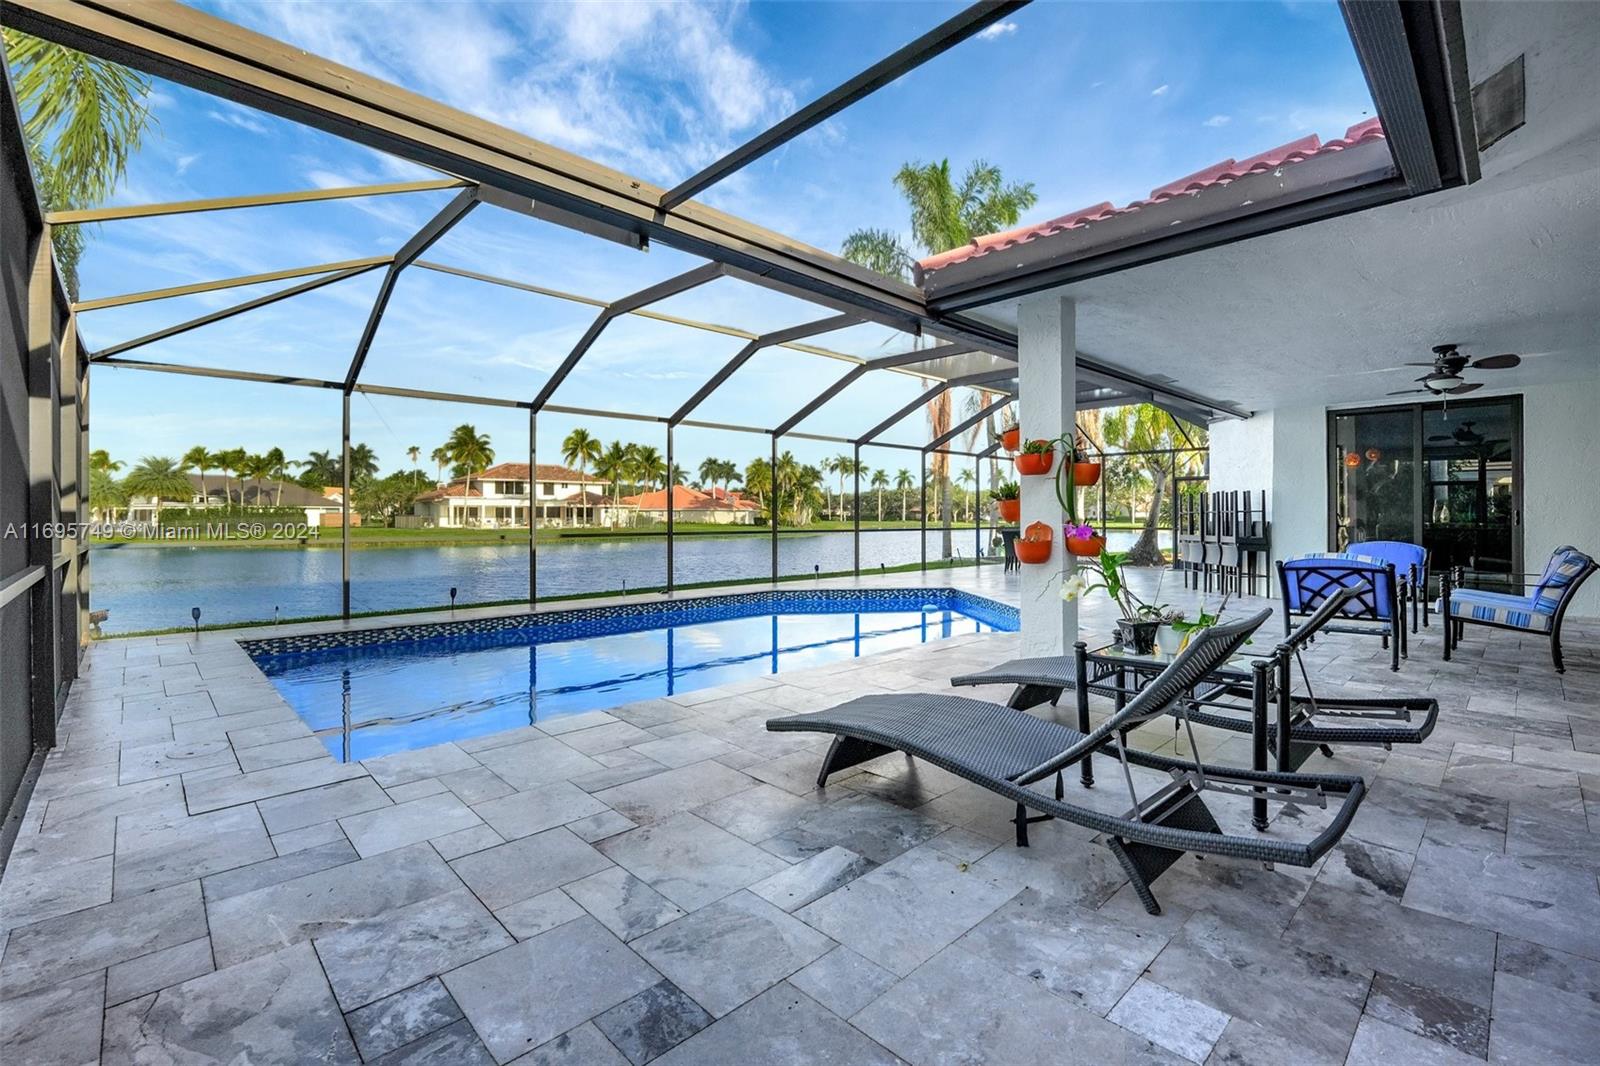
(155, 588)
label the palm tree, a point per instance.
(364, 462)
(101, 460)
(229, 462)
(441, 459)
(613, 466)
(469, 449)
(322, 469)
(943, 214)
(710, 471)
(678, 475)
(414, 453)
(83, 118)
(880, 481)
(254, 467)
(969, 482)
(648, 467)
(159, 478)
(198, 459)
(580, 450)
(902, 481)
(106, 493)
(1146, 428)
(276, 461)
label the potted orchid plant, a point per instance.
(1136, 629)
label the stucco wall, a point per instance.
(1286, 449)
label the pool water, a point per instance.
(373, 692)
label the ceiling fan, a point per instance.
(1444, 376)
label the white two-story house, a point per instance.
(498, 496)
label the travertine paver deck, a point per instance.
(196, 880)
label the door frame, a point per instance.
(1416, 409)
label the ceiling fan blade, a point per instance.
(1471, 386)
(1441, 436)
(1418, 364)
(1497, 362)
(1407, 392)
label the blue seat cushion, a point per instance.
(1503, 608)
(1565, 564)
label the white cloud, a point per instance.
(184, 162)
(1160, 90)
(996, 31)
(1216, 121)
(239, 117)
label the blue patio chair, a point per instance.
(1410, 568)
(1539, 612)
(1308, 580)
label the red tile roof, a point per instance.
(685, 498)
(1229, 170)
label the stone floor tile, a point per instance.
(1430, 1013)
(570, 723)
(731, 950)
(1378, 1043)
(263, 784)
(280, 753)
(522, 814)
(156, 849)
(454, 1045)
(653, 1022)
(1088, 957)
(1367, 869)
(476, 785)
(164, 760)
(266, 919)
(406, 766)
(623, 903)
(109, 803)
(310, 837)
(1311, 998)
(602, 738)
(760, 812)
(597, 827)
(378, 956)
(872, 828)
(906, 910)
(683, 749)
(1534, 1022)
(57, 1024)
(528, 867)
(843, 981)
(83, 838)
(780, 1025)
(521, 997)
(411, 790)
(274, 871)
(1177, 1023)
(688, 860)
(811, 879)
(527, 918)
(407, 823)
(539, 761)
(400, 1018)
(657, 798)
(273, 1008)
(157, 970)
(466, 841)
(1552, 905)
(1545, 966)
(54, 949)
(583, 1046)
(318, 805)
(242, 737)
(32, 897)
(796, 772)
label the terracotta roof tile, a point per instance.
(1228, 170)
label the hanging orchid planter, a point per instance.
(1034, 544)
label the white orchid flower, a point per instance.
(1074, 586)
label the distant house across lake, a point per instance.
(498, 496)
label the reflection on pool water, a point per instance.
(373, 692)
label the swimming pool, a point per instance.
(372, 692)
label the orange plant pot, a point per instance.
(1035, 462)
(1086, 547)
(1085, 474)
(1033, 551)
(1009, 439)
(1010, 510)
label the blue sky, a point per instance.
(1090, 102)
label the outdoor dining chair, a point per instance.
(1539, 612)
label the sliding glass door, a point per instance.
(1443, 475)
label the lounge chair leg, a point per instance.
(1026, 696)
(1555, 653)
(845, 752)
(1143, 863)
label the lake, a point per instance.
(155, 588)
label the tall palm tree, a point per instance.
(276, 462)
(364, 462)
(648, 466)
(1145, 428)
(229, 462)
(198, 459)
(82, 119)
(321, 470)
(414, 453)
(470, 449)
(902, 482)
(159, 478)
(441, 459)
(613, 466)
(106, 494)
(710, 471)
(880, 481)
(678, 475)
(969, 481)
(101, 460)
(580, 450)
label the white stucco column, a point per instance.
(1048, 372)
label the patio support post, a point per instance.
(1047, 372)
(977, 512)
(344, 507)
(772, 507)
(533, 503)
(670, 509)
(855, 516)
(923, 517)
(40, 446)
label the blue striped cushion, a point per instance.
(1501, 607)
(1563, 568)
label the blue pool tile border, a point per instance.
(576, 623)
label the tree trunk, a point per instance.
(1146, 551)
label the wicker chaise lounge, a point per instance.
(1006, 751)
(1314, 722)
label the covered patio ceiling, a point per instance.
(496, 169)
